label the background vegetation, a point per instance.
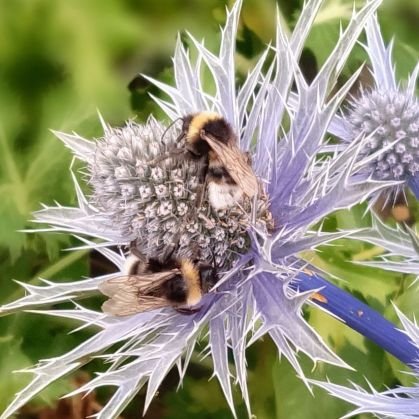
(60, 60)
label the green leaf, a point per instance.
(11, 358)
(375, 285)
(291, 395)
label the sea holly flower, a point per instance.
(388, 113)
(398, 403)
(264, 282)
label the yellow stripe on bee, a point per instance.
(198, 122)
(190, 274)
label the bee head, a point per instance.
(209, 122)
(187, 122)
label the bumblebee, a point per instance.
(227, 173)
(151, 284)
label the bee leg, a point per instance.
(187, 311)
(203, 182)
(168, 251)
(195, 252)
(248, 157)
(139, 255)
(200, 193)
(173, 153)
(134, 250)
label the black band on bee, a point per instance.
(198, 147)
(220, 129)
(220, 173)
(176, 289)
(155, 265)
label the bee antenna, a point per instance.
(170, 126)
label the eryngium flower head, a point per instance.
(253, 298)
(156, 204)
(387, 114)
(390, 119)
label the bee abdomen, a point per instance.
(222, 195)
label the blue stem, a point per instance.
(358, 316)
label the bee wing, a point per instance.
(139, 284)
(150, 283)
(236, 164)
(129, 294)
(125, 304)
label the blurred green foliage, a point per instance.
(60, 61)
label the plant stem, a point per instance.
(359, 317)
